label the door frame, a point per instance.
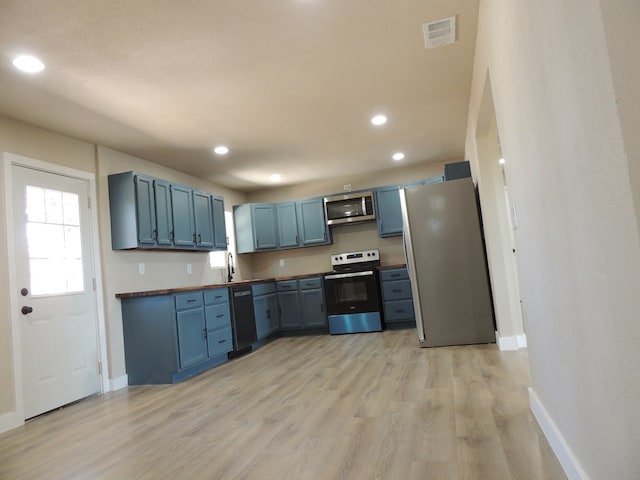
(16, 418)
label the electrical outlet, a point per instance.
(189, 268)
(141, 268)
(282, 262)
(347, 187)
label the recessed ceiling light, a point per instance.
(379, 120)
(398, 156)
(276, 177)
(221, 150)
(28, 64)
(501, 161)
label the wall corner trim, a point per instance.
(513, 342)
(10, 420)
(556, 440)
(119, 383)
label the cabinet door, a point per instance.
(263, 217)
(313, 311)
(203, 219)
(219, 226)
(145, 210)
(182, 212)
(289, 310)
(272, 313)
(389, 216)
(287, 224)
(164, 222)
(312, 226)
(219, 341)
(261, 315)
(217, 316)
(396, 290)
(192, 345)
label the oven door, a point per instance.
(352, 292)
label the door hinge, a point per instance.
(93, 280)
(99, 368)
(89, 203)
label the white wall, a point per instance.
(569, 155)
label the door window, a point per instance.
(53, 241)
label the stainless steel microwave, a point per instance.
(351, 207)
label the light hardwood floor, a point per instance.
(368, 406)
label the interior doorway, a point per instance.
(498, 214)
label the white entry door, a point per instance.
(55, 289)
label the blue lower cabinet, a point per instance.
(168, 338)
(192, 340)
(289, 305)
(397, 300)
(217, 315)
(312, 306)
(219, 341)
(265, 308)
(301, 304)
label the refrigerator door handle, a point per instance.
(410, 261)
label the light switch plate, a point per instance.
(141, 268)
(189, 270)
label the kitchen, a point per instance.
(555, 80)
(350, 300)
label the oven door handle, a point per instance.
(348, 275)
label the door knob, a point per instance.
(26, 310)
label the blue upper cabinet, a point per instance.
(389, 211)
(147, 212)
(203, 219)
(219, 226)
(256, 227)
(183, 222)
(264, 226)
(389, 214)
(287, 224)
(164, 220)
(312, 225)
(268, 226)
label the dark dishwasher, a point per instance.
(243, 320)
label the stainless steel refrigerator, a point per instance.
(445, 257)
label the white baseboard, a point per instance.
(511, 343)
(119, 383)
(558, 444)
(9, 421)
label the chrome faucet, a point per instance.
(230, 267)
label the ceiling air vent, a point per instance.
(439, 33)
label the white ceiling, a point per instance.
(288, 85)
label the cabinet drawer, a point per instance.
(216, 295)
(398, 310)
(287, 285)
(309, 283)
(394, 274)
(188, 300)
(396, 290)
(263, 288)
(219, 341)
(217, 316)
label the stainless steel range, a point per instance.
(352, 293)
